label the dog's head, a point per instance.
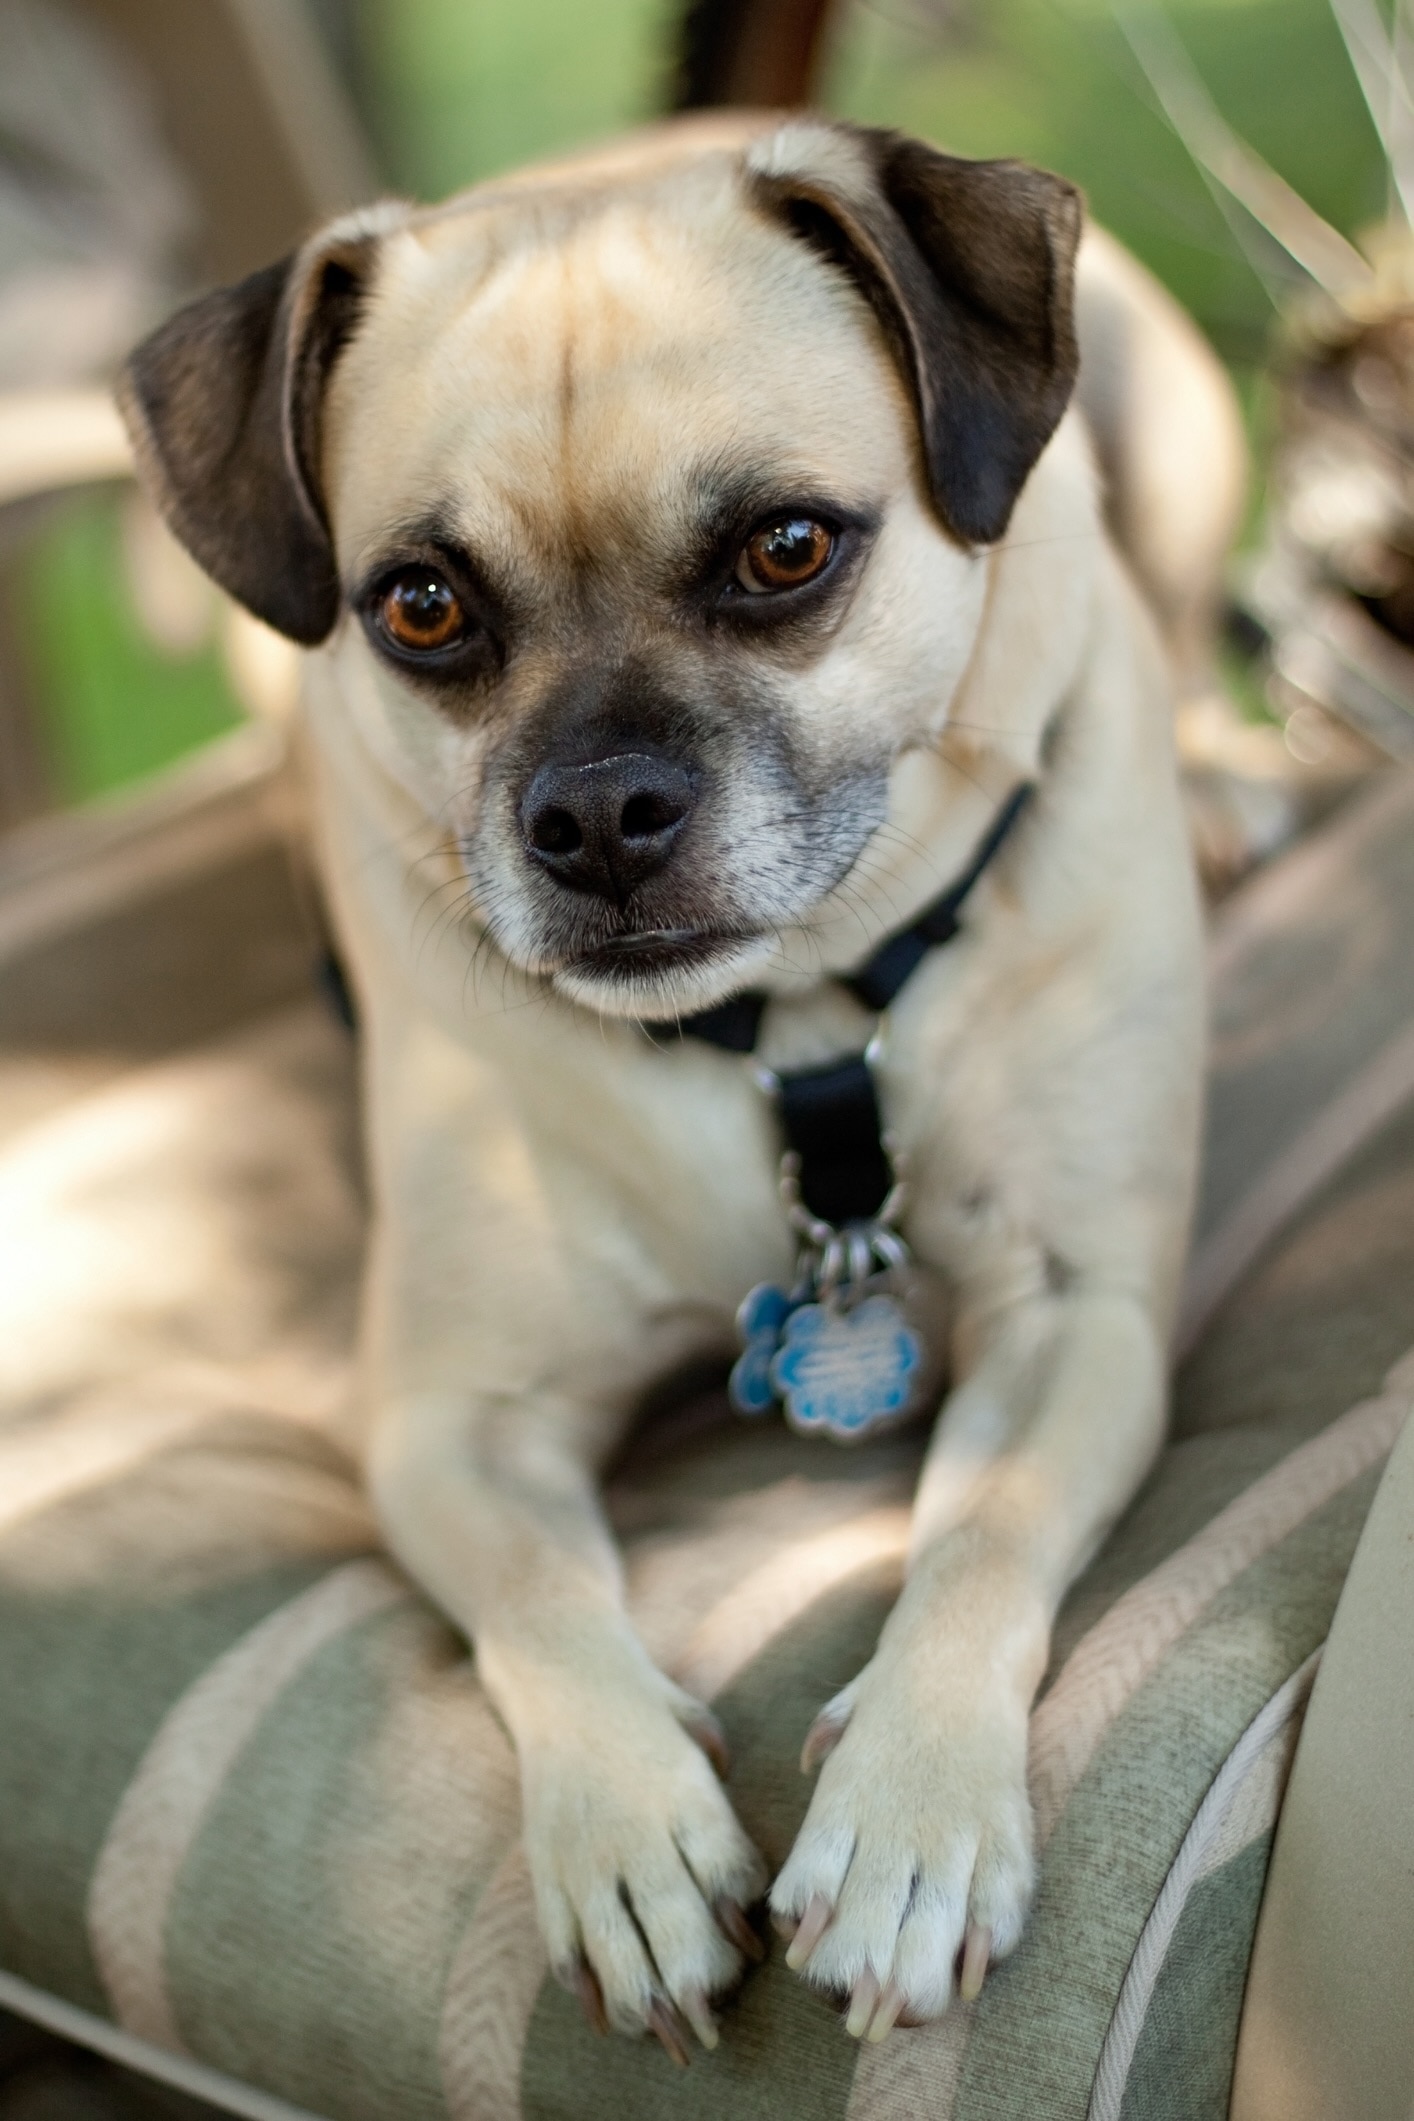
(647, 505)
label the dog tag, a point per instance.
(763, 1310)
(763, 1313)
(846, 1371)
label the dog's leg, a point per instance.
(640, 1868)
(917, 1848)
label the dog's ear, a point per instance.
(223, 406)
(969, 267)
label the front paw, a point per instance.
(915, 1859)
(640, 1868)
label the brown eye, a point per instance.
(784, 554)
(419, 611)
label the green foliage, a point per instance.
(1054, 81)
(114, 707)
(462, 88)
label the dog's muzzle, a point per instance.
(606, 826)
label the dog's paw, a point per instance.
(914, 1865)
(641, 1869)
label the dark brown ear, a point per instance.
(969, 267)
(223, 405)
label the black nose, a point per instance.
(609, 825)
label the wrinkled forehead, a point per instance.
(549, 370)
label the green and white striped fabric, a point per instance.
(254, 1811)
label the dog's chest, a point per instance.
(947, 1103)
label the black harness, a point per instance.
(830, 1116)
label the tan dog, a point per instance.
(699, 550)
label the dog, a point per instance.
(701, 544)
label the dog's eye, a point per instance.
(419, 611)
(783, 555)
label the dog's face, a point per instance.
(646, 588)
(652, 532)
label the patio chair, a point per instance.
(258, 1826)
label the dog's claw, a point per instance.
(664, 2024)
(732, 1922)
(583, 1984)
(703, 1728)
(813, 1925)
(698, 2013)
(976, 1951)
(861, 2004)
(886, 2015)
(821, 1739)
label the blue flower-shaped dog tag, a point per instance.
(846, 1371)
(763, 1310)
(759, 1321)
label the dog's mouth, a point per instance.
(639, 953)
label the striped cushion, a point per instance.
(254, 1810)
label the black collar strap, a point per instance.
(830, 1115)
